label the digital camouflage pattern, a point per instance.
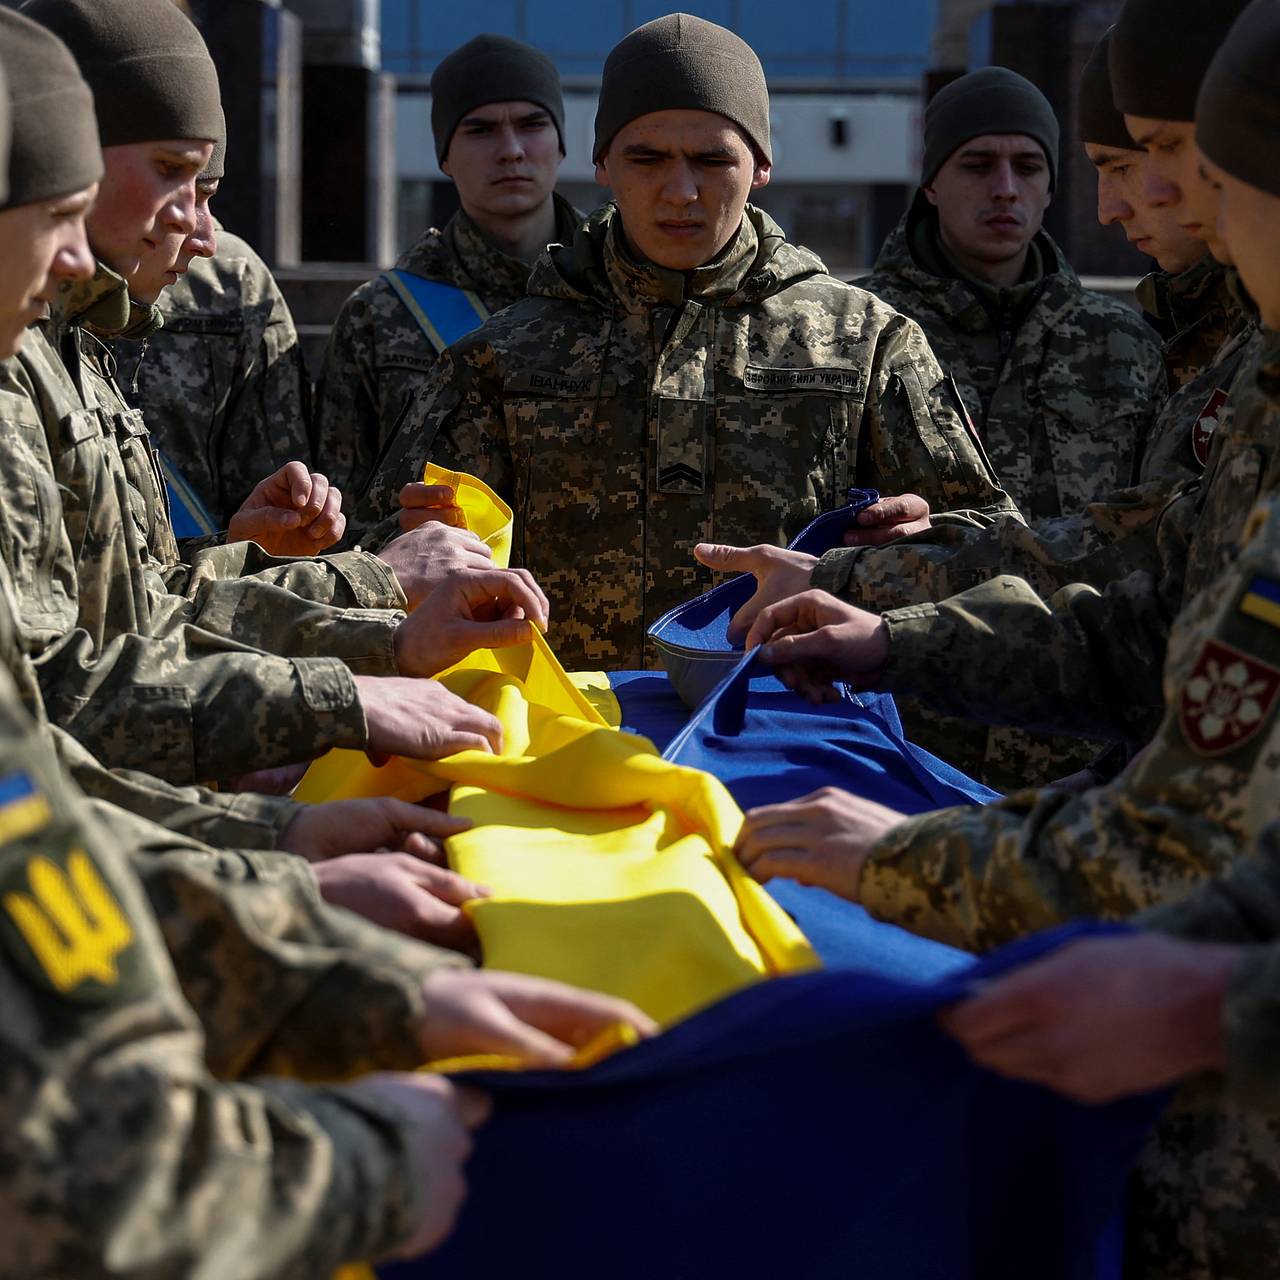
(222, 384)
(378, 357)
(628, 412)
(1195, 311)
(1062, 383)
(1106, 541)
(186, 705)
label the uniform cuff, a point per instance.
(372, 582)
(834, 572)
(329, 690)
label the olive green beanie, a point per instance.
(1160, 50)
(217, 167)
(1097, 119)
(150, 72)
(54, 148)
(488, 69)
(682, 62)
(993, 100)
(1238, 112)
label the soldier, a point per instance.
(1061, 382)
(222, 384)
(497, 117)
(680, 367)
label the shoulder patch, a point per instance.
(23, 808)
(1227, 699)
(1208, 422)
(1261, 600)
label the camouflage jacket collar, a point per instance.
(102, 305)
(462, 255)
(1176, 302)
(599, 266)
(960, 300)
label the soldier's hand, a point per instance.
(812, 640)
(779, 573)
(538, 1021)
(821, 839)
(1103, 1017)
(401, 892)
(474, 609)
(888, 520)
(422, 719)
(330, 830)
(420, 503)
(294, 512)
(439, 1117)
(429, 556)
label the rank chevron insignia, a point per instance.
(680, 477)
(1227, 699)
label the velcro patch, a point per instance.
(23, 808)
(1204, 427)
(569, 386)
(1262, 601)
(762, 378)
(1227, 699)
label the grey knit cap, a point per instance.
(682, 62)
(1098, 120)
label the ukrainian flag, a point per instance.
(1262, 601)
(23, 808)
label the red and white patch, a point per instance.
(1204, 427)
(1227, 698)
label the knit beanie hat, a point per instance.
(150, 72)
(491, 69)
(682, 62)
(1097, 119)
(1238, 112)
(1160, 50)
(993, 100)
(54, 148)
(217, 166)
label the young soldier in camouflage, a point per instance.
(680, 368)
(503, 153)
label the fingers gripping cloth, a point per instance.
(611, 868)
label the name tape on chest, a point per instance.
(568, 386)
(758, 377)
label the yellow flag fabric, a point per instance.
(610, 867)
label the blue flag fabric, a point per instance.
(821, 1127)
(444, 312)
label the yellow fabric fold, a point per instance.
(610, 867)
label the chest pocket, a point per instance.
(1093, 428)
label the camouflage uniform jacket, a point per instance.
(378, 356)
(1195, 311)
(1063, 384)
(89, 316)
(186, 705)
(1088, 660)
(627, 412)
(222, 384)
(123, 1153)
(1104, 541)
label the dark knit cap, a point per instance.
(1097, 119)
(1238, 112)
(1160, 50)
(150, 72)
(491, 69)
(683, 63)
(54, 149)
(993, 100)
(217, 166)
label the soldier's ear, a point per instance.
(760, 178)
(930, 194)
(602, 170)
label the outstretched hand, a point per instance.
(779, 573)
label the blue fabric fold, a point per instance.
(693, 638)
(820, 1126)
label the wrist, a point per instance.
(1203, 1005)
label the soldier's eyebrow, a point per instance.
(1149, 137)
(642, 151)
(990, 153)
(1102, 159)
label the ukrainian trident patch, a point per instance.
(1227, 698)
(1204, 427)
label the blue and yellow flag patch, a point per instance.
(1262, 601)
(23, 808)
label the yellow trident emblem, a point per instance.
(71, 922)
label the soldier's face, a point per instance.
(146, 210)
(504, 158)
(991, 195)
(1247, 221)
(680, 180)
(1123, 201)
(41, 244)
(1174, 181)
